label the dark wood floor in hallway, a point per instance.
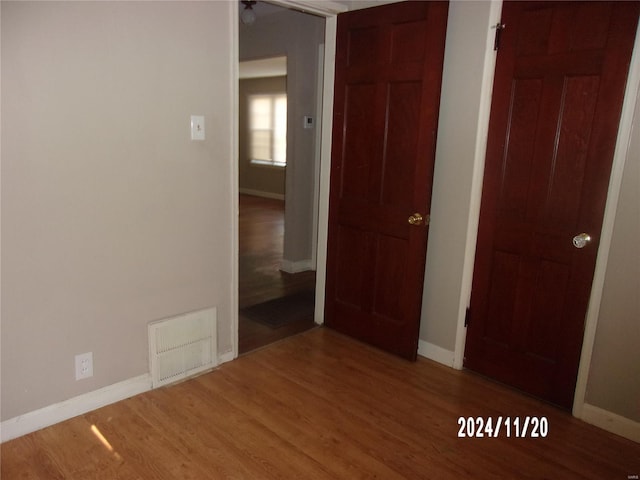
(319, 406)
(261, 237)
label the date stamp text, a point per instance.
(508, 427)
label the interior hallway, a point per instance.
(261, 236)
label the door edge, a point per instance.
(476, 184)
(625, 130)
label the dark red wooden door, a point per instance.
(560, 78)
(387, 91)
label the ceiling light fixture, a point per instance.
(248, 16)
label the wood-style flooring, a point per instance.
(318, 406)
(261, 236)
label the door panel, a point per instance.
(560, 77)
(387, 91)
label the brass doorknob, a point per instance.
(415, 219)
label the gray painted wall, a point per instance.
(614, 378)
(111, 216)
(451, 202)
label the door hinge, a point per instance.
(467, 317)
(496, 42)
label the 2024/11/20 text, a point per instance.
(510, 427)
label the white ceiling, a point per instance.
(264, 67)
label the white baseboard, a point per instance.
(611, 422)
(258, 193)
(296, 267)
(435, 353)
(52, 414)
(225, 357)
(59, 412)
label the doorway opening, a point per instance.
(273, 304)
(280, 67)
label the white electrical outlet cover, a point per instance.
(84, 365)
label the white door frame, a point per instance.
(330, 11)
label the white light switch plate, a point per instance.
(197, 127)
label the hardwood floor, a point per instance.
(261, 234)
(318, 406)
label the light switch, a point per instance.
(197, 127)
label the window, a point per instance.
(268, 129)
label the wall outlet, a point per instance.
(84, 365)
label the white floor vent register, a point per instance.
(182, 346)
